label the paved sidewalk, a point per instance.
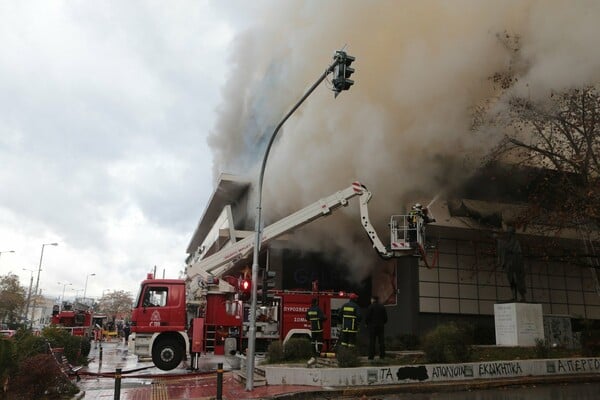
(142, 381)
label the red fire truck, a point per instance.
(78, 321)
(207, 311)
(220, 326)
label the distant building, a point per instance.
(42, 312)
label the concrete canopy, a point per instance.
(229, 190)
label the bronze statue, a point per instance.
(510, 258)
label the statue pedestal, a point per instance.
(518, 324)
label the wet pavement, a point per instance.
(142, 381)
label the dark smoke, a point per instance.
(404, 128)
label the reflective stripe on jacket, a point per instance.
(315, 316)
(350, 314)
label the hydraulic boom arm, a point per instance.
(221, 261)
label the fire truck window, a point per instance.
(155, 297)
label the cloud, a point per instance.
(104, 113)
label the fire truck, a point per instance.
(208, 311)
(76, 320)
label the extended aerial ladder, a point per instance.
(220, 262)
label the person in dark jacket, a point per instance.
(375, 320)
(350, 315)
(315, 316)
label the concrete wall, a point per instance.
(387, 375)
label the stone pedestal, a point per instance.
(518, 324)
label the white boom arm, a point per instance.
(219, 262)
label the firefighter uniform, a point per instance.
(350, 315)
(316, 317)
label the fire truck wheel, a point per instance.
(167, 354)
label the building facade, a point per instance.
(459, 279)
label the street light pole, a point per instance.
(29, 292)
(37, 282)
(86, 282)
(257, 221)
(62, 298)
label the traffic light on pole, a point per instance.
(268, 282)
(245, 289)
(342, 72)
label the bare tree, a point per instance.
(116, 303)
(559, 137)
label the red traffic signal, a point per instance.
(245, 285)
(245, 289)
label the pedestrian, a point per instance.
(375, 320)
(350, 314)
(316, 317)
(126, 332)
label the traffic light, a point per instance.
(268, 282)
(245, 289)
(342, 72)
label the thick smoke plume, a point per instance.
(404, 128)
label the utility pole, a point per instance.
(28, 293)
(341, 69)
(37, 282)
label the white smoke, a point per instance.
(403, 129)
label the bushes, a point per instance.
(403, 342)
(542, 350)
(8, 358)
(447, 343)
(33, 373)
(275, 352)
(40, 377)
(72, 345)
(590, 342)
(347, 357)
(293, 350)
(29, 345)
(297, 349)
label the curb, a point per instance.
(439, 387)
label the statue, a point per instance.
(510, 258)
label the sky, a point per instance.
(116, 118)
(104, 113)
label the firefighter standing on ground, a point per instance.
(350, 315)
(375, 320)
(316, 317)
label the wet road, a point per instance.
(578, 391)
